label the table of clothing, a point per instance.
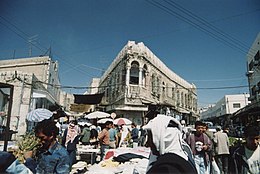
(122, 160)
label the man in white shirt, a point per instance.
(222, 150)
(247, 157)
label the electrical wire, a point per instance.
(120, 84)
(172, 3)
(35, 45)
(209, 25)
(18, 34)
(199, 27)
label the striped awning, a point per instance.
(37, 115)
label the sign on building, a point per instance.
(80, 107)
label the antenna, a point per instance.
(30, 41)
(48, 53)
(14, 54)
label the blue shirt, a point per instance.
(112, 134)
(55, 160)
(134, 134)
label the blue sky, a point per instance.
(85, 37)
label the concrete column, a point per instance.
(127, 75)
(140, 76)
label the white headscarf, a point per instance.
(166, 139)
(123, 134)
(72, 133)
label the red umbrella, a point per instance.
(121, 121)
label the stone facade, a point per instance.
(137, 78)
(66, 100)
(36, 85)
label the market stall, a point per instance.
(121, 160)
(87, 153)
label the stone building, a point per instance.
(66, 100)
(137, 78)
(36, 85)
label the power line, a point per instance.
(58, 56)
(218, 80)
(123, 84)
(75, 87)
(223, 87)
(156, 86)
(18, 34)
(26, 39)
(199, 27)
(204, 22)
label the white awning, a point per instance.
(129, 108)
(44, 94)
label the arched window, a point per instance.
(134, 73)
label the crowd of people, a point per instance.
(174, 149)
(207, 152)
(212, 151)
(59, 147)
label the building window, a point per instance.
(158, 85)
(163, 89)
(254, 90)
(257, 56)
(173, 93)
(123, 80)
(117, 83)
(50, 77)
(107, 94)
(153, 84)
(167, 90)
(134, 73)
(236, 105)
(182, 99)
(251, 65)
(186, 100)
(178, 98)
(144, 75)
(189, 101)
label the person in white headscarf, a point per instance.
(164, 139)
(70, 140)
(125, 136)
